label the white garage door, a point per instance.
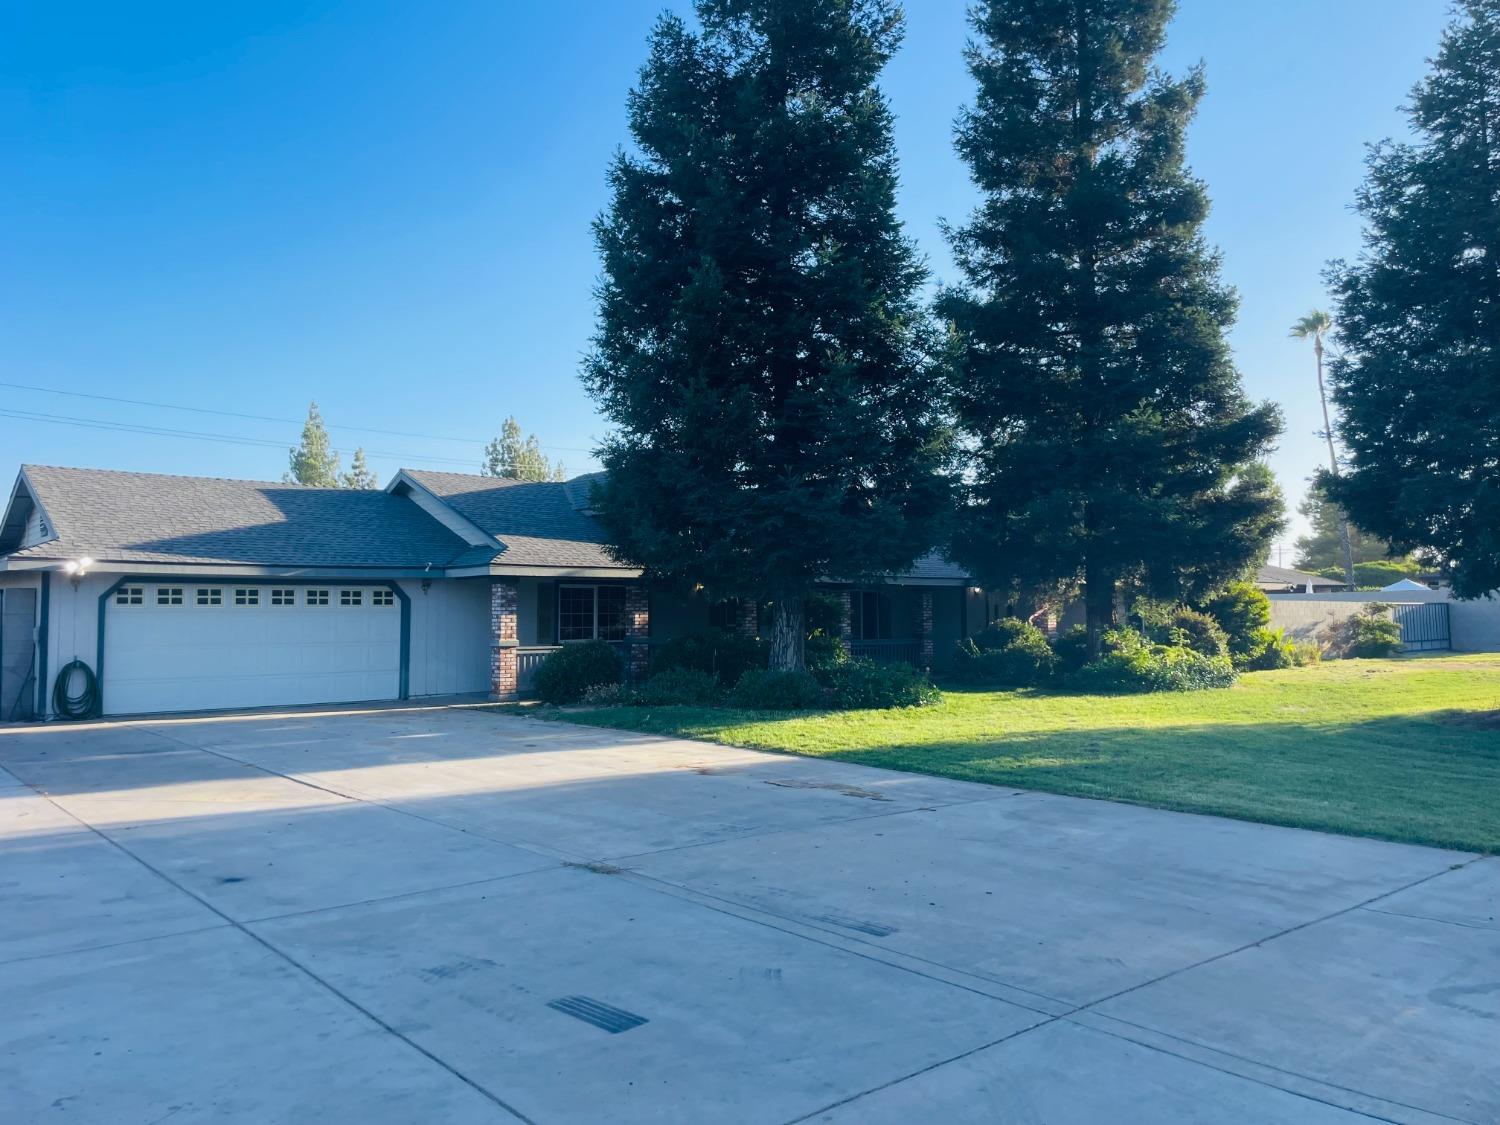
(191, 647)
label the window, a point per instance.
(169, 595)
(725, 614)
(317, 597)
(585, 613)
(283, 597)
(130, 595)
(210, 595)
(382, 597)
(351, 597)
(247, 597)
(870, 615)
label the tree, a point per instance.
(314, 461)
(509, 455)
(1418, 383)
(1109, 434)
(762, 345)
(1323, 547)
(1316, 325)
(359, 474)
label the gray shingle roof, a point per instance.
(542, 523)
(1285, 576)
(149, 517)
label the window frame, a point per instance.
(247, 597)
(171, 596)
(283, 597)
(382, 597)
(883, 616)
(316, 597)
(351, 597)
(130, 596)
(208, 597)
(594, 631)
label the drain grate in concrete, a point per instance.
(603, 1016)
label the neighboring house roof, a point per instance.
(1405, 584)
(538, 523)
(1279, 576)
(932, 567)
(154, 518)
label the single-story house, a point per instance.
(196, 593)
(1285, 580)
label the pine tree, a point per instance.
(314, 461)
(359, 474)
(1110, 436)
(511, 455)
(1418, 383)
(761, 347)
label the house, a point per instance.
(196, 593)
(1285, 580)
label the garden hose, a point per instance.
(84, 705)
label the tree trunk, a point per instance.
(788, 634)
(1333, 466)
(1099, 607)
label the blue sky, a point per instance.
(385, 207)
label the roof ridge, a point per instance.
(192, 476)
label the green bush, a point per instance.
(866, 684)
(718, 652)
(1133, 664)
(1375, 575)
(566, 674)
(769, 689)
(1199, 632)
(684, 686)
(1009, 653)
(1071, 649)
(823, 650)
(1240, 609)
(1368, 633)
(1274, 649)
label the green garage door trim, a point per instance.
(401, 598)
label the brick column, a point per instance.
(637, 632)
(925, 630)
(846, 618)
(504, 641)
(749, 623)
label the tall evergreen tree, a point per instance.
(314, 461)
(1418, 383)
(517, 457)
(762, 345)
(1323, 547)
(359, 474)
(1109, 433)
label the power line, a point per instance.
(198, 435)
(269, 418)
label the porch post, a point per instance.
(749, 622)
(637, 631)
(925, 627)
(504, 640)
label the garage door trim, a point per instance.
(402, 600)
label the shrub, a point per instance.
(822, 650)
(1368, 633)
(685, 686)
(715, 651)
(1009, 653)
(570, 671)
(1240, 609)
(863, 684)
(1071, 649)
(1374, 574)
(1132, 663)
(608, 695)
(1199, 632)
(1274, 649)
(770, 689)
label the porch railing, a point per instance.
(528, 659)
(906, 650)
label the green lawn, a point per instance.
(1400, 749)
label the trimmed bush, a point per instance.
(1240, 609)
(717, 652)
(1133, 664)
(769, 689)
(566, 674)
(867, 684)
(1071, 649)
(678, 686)
(1274, 649)
(1368, 633)
(1199, 632)
(1009, 653)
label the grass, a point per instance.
(1403, 749)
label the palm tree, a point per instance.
(1317, 324)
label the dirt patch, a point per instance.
(846, 790)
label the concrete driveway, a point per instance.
(456, 916)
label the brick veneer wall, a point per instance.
(924, 625)
(637, 631)
(749, 623)
(504, 640)
(846, 617)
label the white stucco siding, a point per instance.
(450, 639)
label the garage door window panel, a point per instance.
(130, 595)
(169, 595)
(210, 596)
(283, 597)
(317, 597)
(247, 597)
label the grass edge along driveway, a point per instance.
(1405, 750)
